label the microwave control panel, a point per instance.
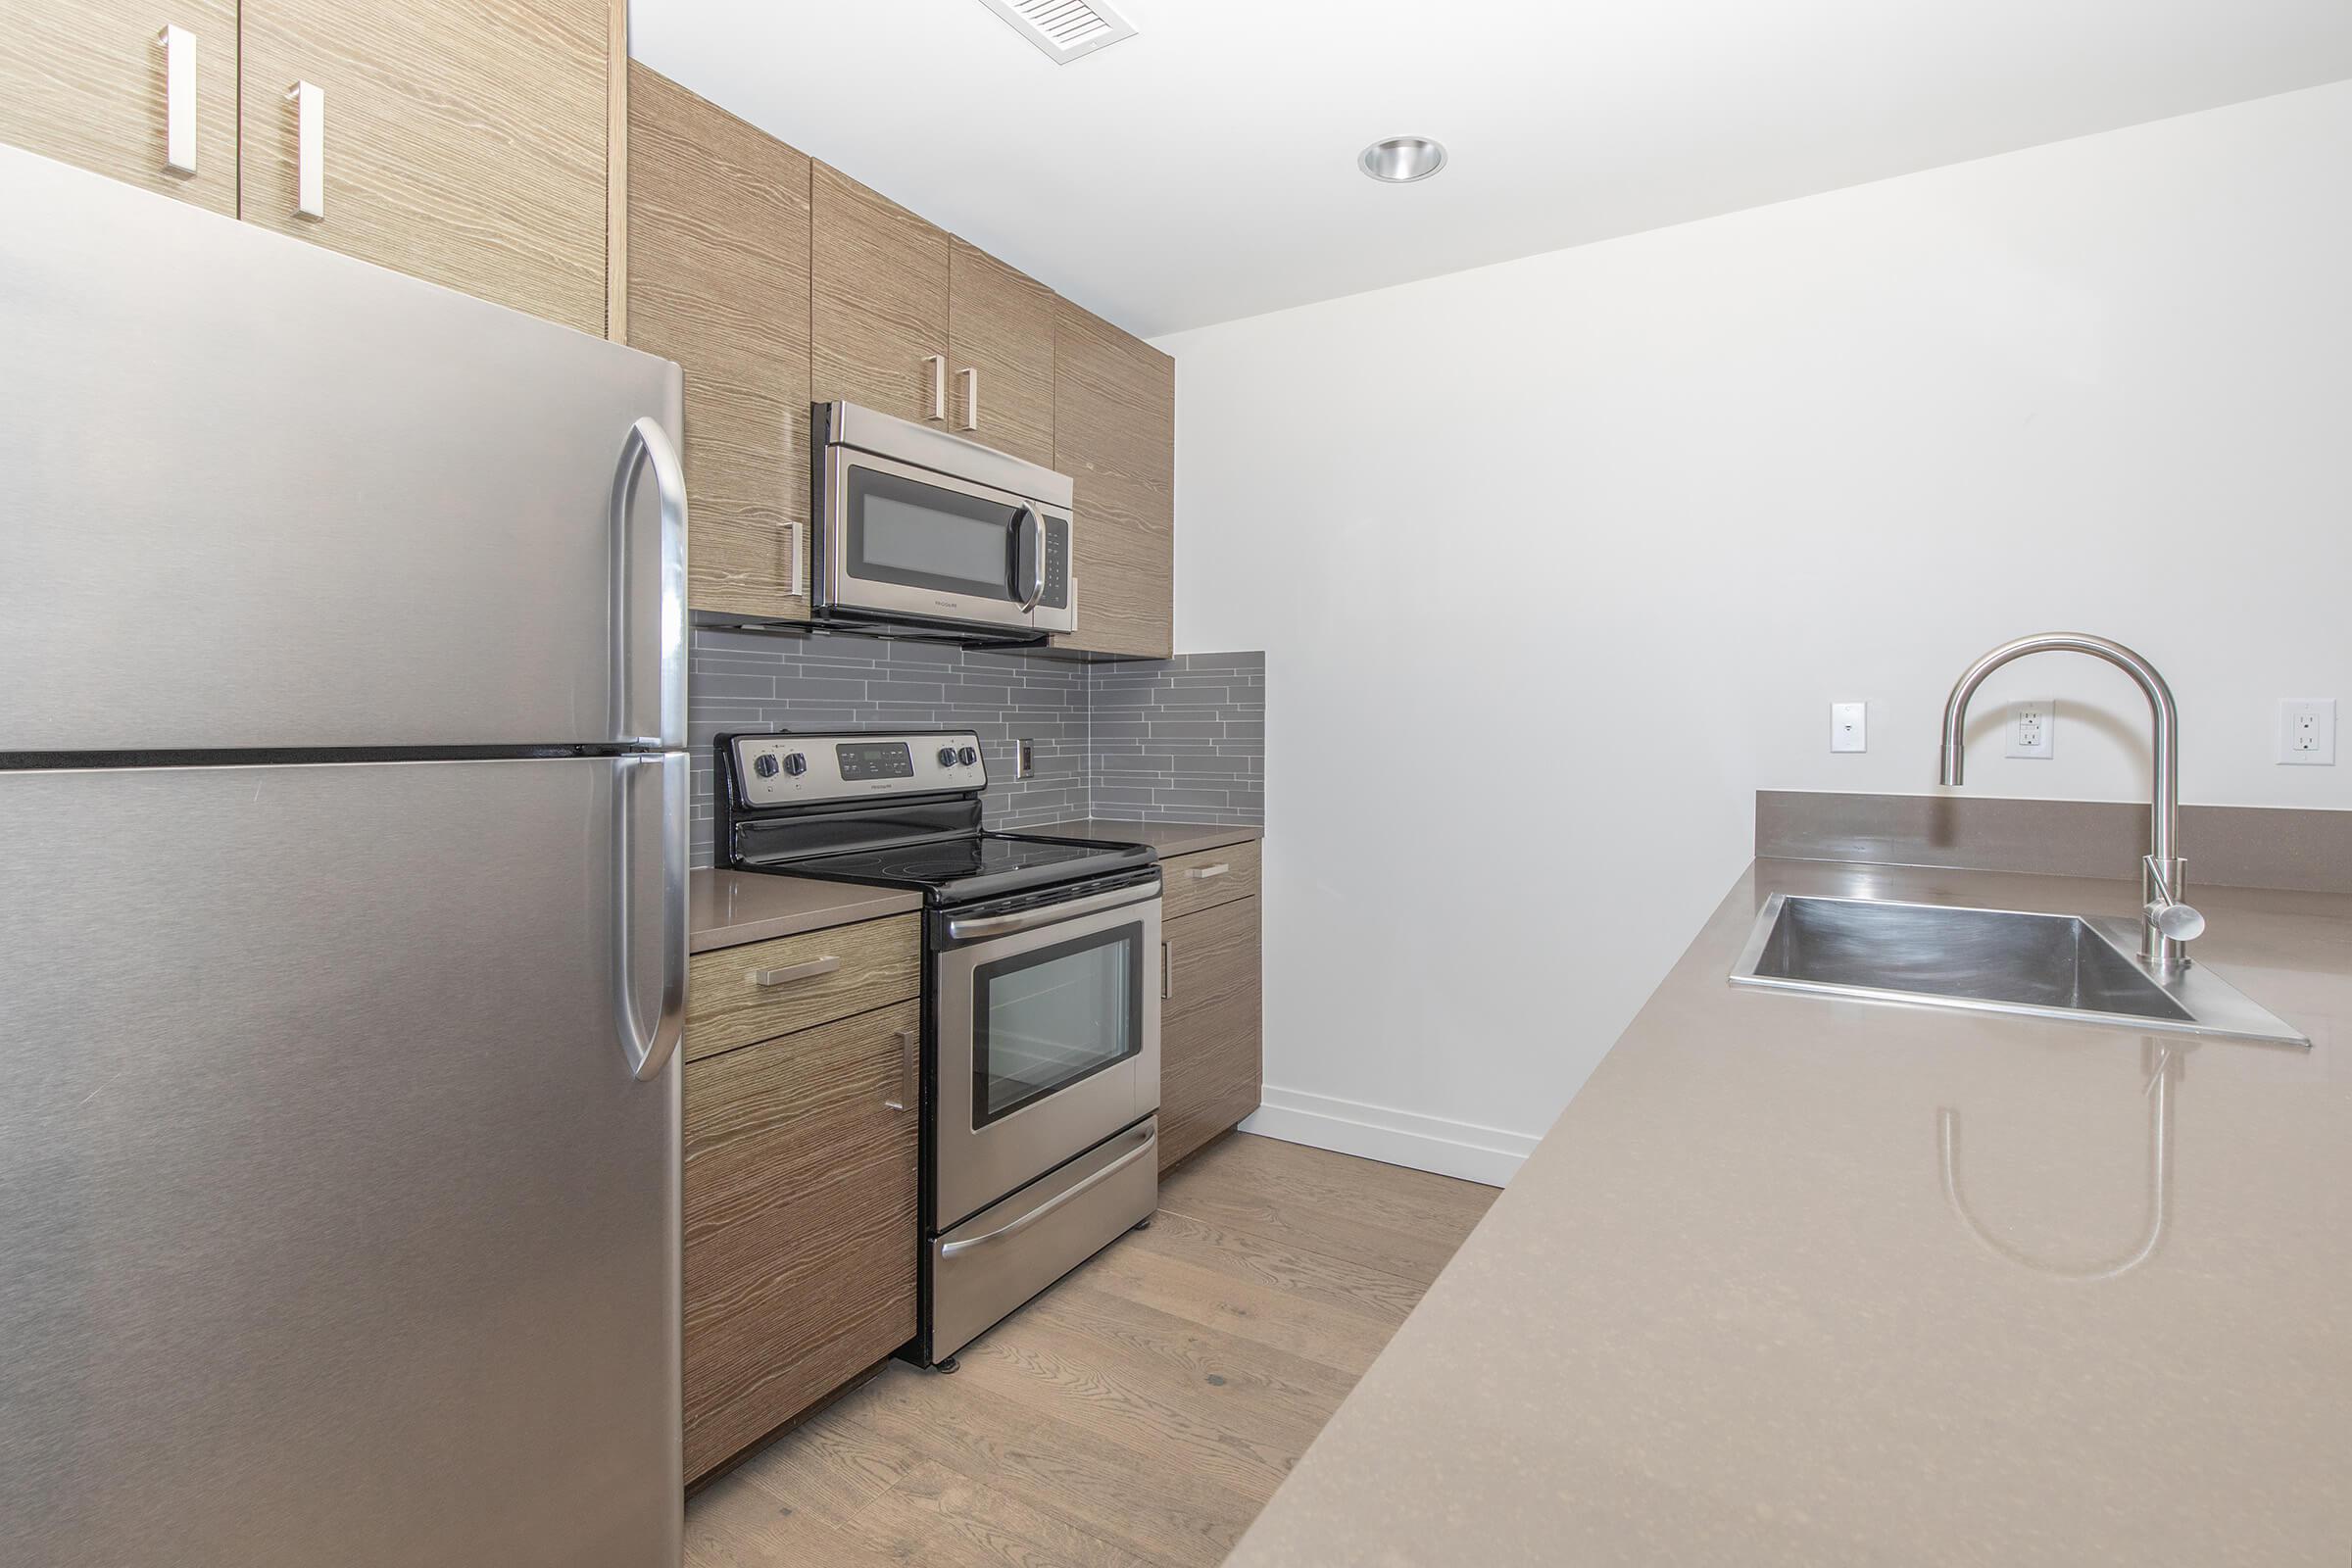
(796, 769)
(1057, 564)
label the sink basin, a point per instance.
(1990, 960)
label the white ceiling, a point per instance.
(1206, 170)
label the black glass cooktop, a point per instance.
(975, 865)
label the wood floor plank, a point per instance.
(944, 1518)
(1164, 1512)
(1283, 1320)
(1138, 1413)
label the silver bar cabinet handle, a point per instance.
(309, 148)
(648, 445)
(971, 396)
(648, 1049)
(938, 385)
(910, 1071)
(953, 1248)
(796, 971)
(1201, 873)
(1168, 970)
(180, 99)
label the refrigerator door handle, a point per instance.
(648, 1051)
(648, 445)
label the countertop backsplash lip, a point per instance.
(2288, 849)
(1180, 738)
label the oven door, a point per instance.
(899, 540)
(1049, 1039)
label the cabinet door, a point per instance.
(1211, 1067)
(1000, 332)
(800, 1223)
(1114, 432)
(718, 281)
(83, 83)
(877, 302)
(464, 143)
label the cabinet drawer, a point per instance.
(736, 995)
(801, 1163)
(1203, 881)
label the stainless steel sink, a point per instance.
(1990, 960)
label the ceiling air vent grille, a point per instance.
(1064, 29)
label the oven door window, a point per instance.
(921, 535)
(1043, 1019)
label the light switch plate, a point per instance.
(2307, 731)
(2030, 723)
(1849, 726)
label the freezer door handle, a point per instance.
(648, 1049)
(648, 445)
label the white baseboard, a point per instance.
(1476, 1153)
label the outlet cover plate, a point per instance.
(2031, 723)
(2307, 731)
(1849, 727)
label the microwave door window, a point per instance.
(1046, 1018)
(904, 531)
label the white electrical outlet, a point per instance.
(2307, 731)
(2029, 725)
(1849, 722)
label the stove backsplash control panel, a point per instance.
(796, 769)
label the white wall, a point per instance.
(1555, 563)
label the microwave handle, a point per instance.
(1032, 556)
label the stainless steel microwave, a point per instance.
(921, 528)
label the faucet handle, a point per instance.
(2170, 917)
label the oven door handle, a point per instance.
(1016, 1227)
(999, 925)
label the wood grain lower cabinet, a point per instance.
(82, 81)
(877, 302)
(718, 281)
(800, 1197)
(1001, 352)
(464, 140)
(1114, 433)
(1212, 1064)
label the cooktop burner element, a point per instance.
(900, 809)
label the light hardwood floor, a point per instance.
(1141, 1411)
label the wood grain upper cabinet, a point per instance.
(1114, 433)
(877, 302)
(1000, 354)
(718, 281)
(800, 1176)
(464, 140)
(84, 82)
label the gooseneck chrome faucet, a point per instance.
(2165, 922)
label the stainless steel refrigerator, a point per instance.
(343, 811)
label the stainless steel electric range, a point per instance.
(1041, 1002)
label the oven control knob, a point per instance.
(967, 756)
(947, 756)
(765, 765)
(796, 765)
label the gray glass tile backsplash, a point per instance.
(1181, 739)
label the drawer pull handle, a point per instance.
(310, 149)
(180, 99)
(910, 1071)
(1003, 1232)
(1168, 970)
(1201, 873)
(794, 971)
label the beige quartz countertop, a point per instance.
(727, 908)
(1731, 1313)
(1168, 838)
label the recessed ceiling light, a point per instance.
(1402, 160)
